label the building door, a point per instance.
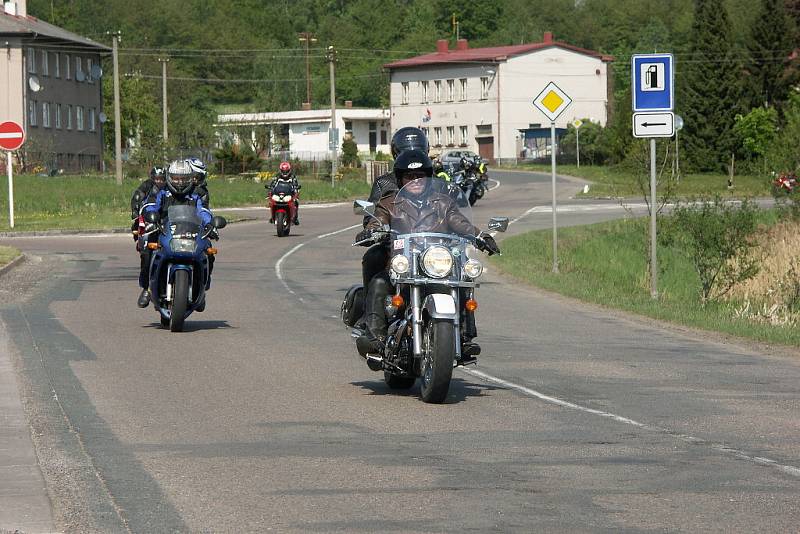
(486, 148)
(373, 137)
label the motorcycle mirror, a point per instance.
(499, 224)
(218, 222)
(362, 207)
(151, 217)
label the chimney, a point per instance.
(462, 44)
(306, 106)
(548, 37)
(22, 9)
(348, 103)
(441, 46)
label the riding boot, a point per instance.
(374, 340)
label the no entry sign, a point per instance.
(11, 135)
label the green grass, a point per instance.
(606, 264)
(7, 254)
(616, 182)
(81, 202)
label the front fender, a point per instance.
(441, 306)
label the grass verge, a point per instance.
(7, 254)
(606, 264)
(80, 202)
(617, 182)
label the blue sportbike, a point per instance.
(180, 271)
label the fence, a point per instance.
(375, 169)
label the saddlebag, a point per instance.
(353, 305)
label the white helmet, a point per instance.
(180, 177)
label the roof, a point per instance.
(33, 27)
(490, 54)
(304, 116)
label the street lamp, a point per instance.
(307, 38)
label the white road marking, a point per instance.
(573, 208)
(495, 186)
(760, 460)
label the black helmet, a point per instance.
(412, 161)
(180, 177)
(158, 175)
(409, 138)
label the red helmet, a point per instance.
(285, 169)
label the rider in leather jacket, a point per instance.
(445, 218)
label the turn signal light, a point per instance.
(152, 246)
(211, 251)
(471, 305)
(397, 301)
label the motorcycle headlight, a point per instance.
(400, 264)
(437, 261)
(182, 245)
(473, 268)
(277, 198)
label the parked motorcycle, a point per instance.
(282, 206)
(435, 279)
(179, 270)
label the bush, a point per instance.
(717, 237)
(350, 153)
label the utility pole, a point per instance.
(308, 38)
(164, 61)
(334, 131)
(117, 126)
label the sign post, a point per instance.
(552, 101)
(577, 123)
(11, 138)
(653, 77)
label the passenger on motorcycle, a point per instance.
(286, 174)
(201, 180)
(180, 182)
(413, 170)
(147, 189)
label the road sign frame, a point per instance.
(669, 131)
(566, 101)
(8, 135)
(644, 101)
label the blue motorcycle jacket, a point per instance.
(164, 199)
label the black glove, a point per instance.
(364, 235)
(486, 243)
(209, 231)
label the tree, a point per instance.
(770, 45)
(756, 131)
(710, 90)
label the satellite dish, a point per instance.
(678, 122)
(80, 76)
(103, 117)
(97, 72)
(33, 83)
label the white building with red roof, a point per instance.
(481, 99)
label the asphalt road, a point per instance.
(262, 416)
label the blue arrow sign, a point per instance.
(653, 77)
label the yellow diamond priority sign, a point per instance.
(552, 101)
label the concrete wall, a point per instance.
(11, 83)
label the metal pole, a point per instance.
(553, 169)
(10, 167)
(331, 59)
(164, 94)
(653, 265)
(677, 158)
(117, 125)
(578, 145)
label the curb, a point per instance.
(13, 263)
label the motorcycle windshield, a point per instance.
(183, 220)
(282, 187)
(431, 205)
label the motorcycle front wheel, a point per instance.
(180, 301)
(438, 353)
(281, 224)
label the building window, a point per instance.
(437, 91)
(67, 67)
(424, 88)
(384, 140)
(92, 126)
(78, 67)
(451, 135)
(463, 96)
(464, 134)
(451, 90)
(484, 87)
(57, 64)
(58, 111)
(404, 93)
(46, 114)
(32, 113)
(69, 117)
(79, 118)
(427, 132)
(437, 136)
(31, 57)
(89, 65)
(45, 64)
(348, 127)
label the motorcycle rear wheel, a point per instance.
(180, 301)
(281, 224)
(438, 353)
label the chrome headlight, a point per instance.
(277, 198)
(182, 245)
(400, 264)
(437, 261)
(473, 268)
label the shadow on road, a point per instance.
(195, 326)
(459, 391)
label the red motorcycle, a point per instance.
(283, 206)
(784, 183)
